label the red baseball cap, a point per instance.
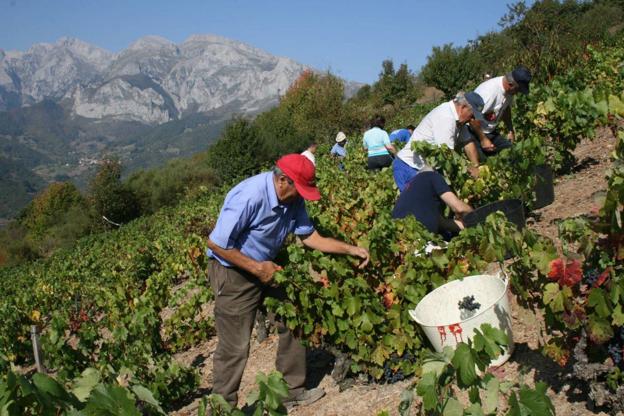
(301, 170)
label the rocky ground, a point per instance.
(575, 194)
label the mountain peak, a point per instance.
(151, 42)
(207, 38)
(152, 81)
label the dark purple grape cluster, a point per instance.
(616, 348)
(615, 351)
(391, 375)
(591, 276)
(468, 303)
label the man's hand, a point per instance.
(474, 171)
(475, 125)
(511, 136)
(265, 271)
(362, 253)
(487, 145)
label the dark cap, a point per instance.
(522, 76)
(477, 103)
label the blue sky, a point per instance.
(350, 38)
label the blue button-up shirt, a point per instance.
(338, 150)
(400, 135)
(253, 220)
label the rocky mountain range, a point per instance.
(153, 81)
(64, 106)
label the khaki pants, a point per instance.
(237, 298)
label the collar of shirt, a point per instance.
(453, 110)
(502, 88)
(271, 193)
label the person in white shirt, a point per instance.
(497, 94)
(442, 125)
(309, 152)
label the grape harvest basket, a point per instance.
(449, 314)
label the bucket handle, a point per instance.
(502, 274)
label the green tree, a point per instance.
(392, 87)
(311, 110)
(167, 185)
(452, 69)
(110, 198)
(50, 207)
(235, 154)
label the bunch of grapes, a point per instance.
(591, 276)
(468, 303)
(616, 348)
(391, 376)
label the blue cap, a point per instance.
(477, 103)
(522, 76)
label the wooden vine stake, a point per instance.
(34, 335)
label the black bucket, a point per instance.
(512, 208)
(544, 189)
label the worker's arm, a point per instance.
(473, 155)
(390, 148)
(506, 118)
(263, 270)
(330, 245)
(486, 143)
(458, 206)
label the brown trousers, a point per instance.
(237, 298)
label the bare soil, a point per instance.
(574, 195)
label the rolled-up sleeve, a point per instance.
(235, 217)
(303, 224)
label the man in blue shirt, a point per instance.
(257, 215)
(402, 135)
(339, 148)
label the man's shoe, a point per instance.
(304, 398)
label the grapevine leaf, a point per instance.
(337, 310)
(542, 259)
(597, 300)
(453, 408)
(366, 324)
(473, 395)
(111, 400)
(553, 297)
(615, 105)
(618, 316)
(84, 385)
(352, 304)
(52, 387)
(464, 362)
(146, 396)
(536, 400)
(599, 329)
(426, 389)
(474, 409)
(492, 389)
(439, 259)
(380, 355)
(495, 334)
(434, 366)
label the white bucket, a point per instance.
(446, 325)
